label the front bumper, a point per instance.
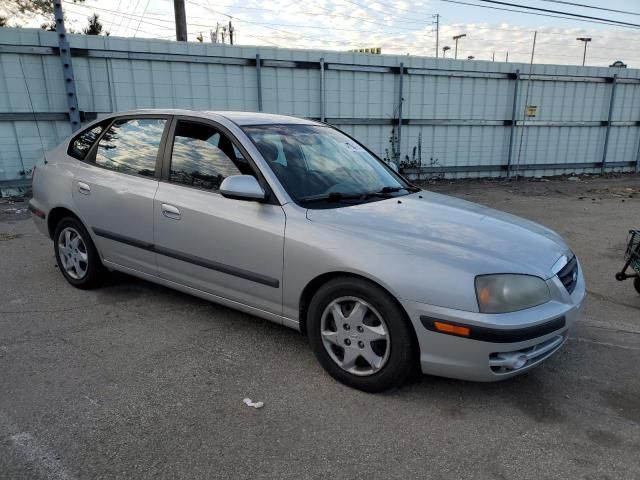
(512, 343)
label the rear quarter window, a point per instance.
(81, 144)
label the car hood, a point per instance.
(449, 230)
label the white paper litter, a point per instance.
(249, 403)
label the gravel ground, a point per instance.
(137, 381)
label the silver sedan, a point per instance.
(296, 222)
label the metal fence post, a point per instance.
(258, 64)
(512, 133)
(322, 90)
(638, 158)
(67, 68)
(608, 131)
(400, 111)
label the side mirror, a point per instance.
(242, 187)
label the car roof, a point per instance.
(239, 118)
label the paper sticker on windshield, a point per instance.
(354, 147)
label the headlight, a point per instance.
(504, 293)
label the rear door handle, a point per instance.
(84, 188)
(170, 211)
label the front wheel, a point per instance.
(360, 335)
(636, 283)
(76, 254)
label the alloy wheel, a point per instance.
(73, 253)
(355, 336)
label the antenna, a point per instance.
(35, 117)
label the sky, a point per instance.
(396, 26)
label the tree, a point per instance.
(94, 27)
(3, 21)
(49, 26)
(25, 10)
(32, 7)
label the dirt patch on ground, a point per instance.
(624, 192)
(585, 187)
(9, 236)
(13, 208)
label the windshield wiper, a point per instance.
(385, 192)
(332, 197)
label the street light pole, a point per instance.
(444, 51)
(437, 22)
(456, 38)
(585, 40)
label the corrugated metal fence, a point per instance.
(456, 118)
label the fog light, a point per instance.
(517, 362)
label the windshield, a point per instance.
(317, 164)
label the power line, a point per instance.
(398, 45)
(286, 32)
(533, 13)
(130, 16)
(546, 10)
(143, 13)
(163, 27)
(582, 5)
(333, 15)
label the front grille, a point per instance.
(569, 275)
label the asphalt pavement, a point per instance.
(134, 380)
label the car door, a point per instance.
(114, 188)
(226, 247)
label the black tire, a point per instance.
(94, 271)
(401, 358)
(636, 283)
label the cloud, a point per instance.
(397, 26)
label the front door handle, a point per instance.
(84, 188)
(170, 211)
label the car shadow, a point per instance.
(529, 393)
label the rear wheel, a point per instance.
(636, 283)
(360, 335)
(76, 254)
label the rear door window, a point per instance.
(131, 146)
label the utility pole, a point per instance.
(456, 38)
(585, 40)
(215, 35)
(493, 56)
(181, 20)
(231, 30)
(507, 59)
(444, 51)
(437, 15)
